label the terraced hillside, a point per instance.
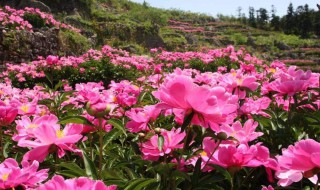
(137, 28)
(266, 44)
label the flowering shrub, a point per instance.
(29, 18)
(215, 119)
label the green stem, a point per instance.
(100, 147)
(232, 183)
(90, 146)
(215, 149)
(1, 147)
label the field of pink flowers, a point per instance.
(240, 124)
(215, 119)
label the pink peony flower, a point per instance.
(234, 157)
(26, 127)
(238, 83)
(267, 188)
(51, 60)
(140, 118)
(291, 81)
(243, 134)
(172, 140)
(255, 107)
(212, 106)
(7, 114)
(298, 161)
(82, 183)
(50, 138)
(12, 176)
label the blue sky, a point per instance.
(228, 7)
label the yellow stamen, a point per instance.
(42, 112)
(135, 87)
(60, 134)
(203, 153)
(4, 177)
(25, 108)
(234, 74)
(1, 92)
(272, 70)
(32, 126)
(239, 82)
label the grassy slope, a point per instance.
(137, 28)
(184, 31)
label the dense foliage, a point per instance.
(301, 21)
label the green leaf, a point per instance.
(110, 136)
(5, 149)
(160, 142)
(74, 168)
(116, 123)
(187, 121)
(178, 173)
(75, 119)
(138, 184)
(91, 170)
(68, 107)
(145, 184)
(68, 173)
(133, 183)
(49, 77)
(57, 86)
(45, 102)
(196, 173)
(112, 174)
(224, 172)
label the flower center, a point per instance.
(60, 134)
(32, 126)
(25, 108)
(272, 70)
(239, 82)
(203, 153)
(4, 177)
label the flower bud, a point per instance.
(98, 109)
(157, 130)
(222, 136)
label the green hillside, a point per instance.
(139, 27)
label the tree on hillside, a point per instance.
(239, 9)
(275, 20)
(252, 18)
(316, 22)
(289, 20)
(145, 4)
(244, 19)
(262, 18)
(306, 22)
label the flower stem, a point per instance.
(100, 147)
(1, 147)
(217, 146)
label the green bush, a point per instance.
(35, 20)
(94, 71)
(73, 42)
(239, 39)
